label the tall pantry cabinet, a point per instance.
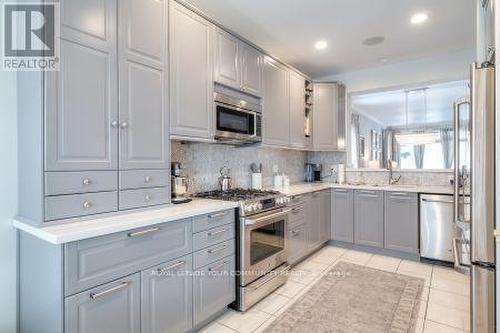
(93, 136)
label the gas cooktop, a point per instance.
(251, 201)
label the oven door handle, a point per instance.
(258, 221)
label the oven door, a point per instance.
(264, 244)
(233, 122)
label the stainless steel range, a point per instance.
(261, 257)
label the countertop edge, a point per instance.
(58, 234)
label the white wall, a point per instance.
(8, 201)
(447, 67)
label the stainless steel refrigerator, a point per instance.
(475, 180)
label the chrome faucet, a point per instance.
(392, 180)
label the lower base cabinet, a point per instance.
(111, 308)
(369, 218)
(297, 243)
(167, 297)
(214, 288)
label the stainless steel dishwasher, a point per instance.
(437, 227)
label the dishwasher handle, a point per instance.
(438, 201)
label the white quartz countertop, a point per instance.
(301, 188)
(78, 229)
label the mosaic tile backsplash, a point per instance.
(202, 162)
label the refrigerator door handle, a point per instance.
(458, 176)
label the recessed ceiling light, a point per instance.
(375, 40)
(419, 18)
(321, 45)
(383, 59)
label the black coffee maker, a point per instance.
(313, 172)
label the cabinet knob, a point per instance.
(114, 124)
(86, 181)
(147, 197)
(124, 124)
(147, 179)
(87, 204)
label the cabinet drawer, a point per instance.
(57, 183)
(297, 199)
(75, 205)
(113, 307)
(144, 197)
(98, 260)
(213, 253)
(213, 236)
(132, 179)
(214, 289)
(297, 215)
(212, 220)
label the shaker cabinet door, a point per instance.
(167, 297)
(313, 219)
(276, 112)
(342, 224)
(251, 70)
(191, 73)
(297, 112)
(110, 308)
(401, 221)
(227, 62)
(144, 117)
(81, 110)
(325, 215)
(324, 117)
(369, 218)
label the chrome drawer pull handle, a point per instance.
(215, 233)
(296, 197)
(124, 124)
(147, 197)
(214, 216)
(143, 232)
(121, 286)
(295, 210)
(114, 124)
(147, 179)
(222, 248)
(86, 181)
(216, 268)
(294, 232)
(165, 269)
(87, 204)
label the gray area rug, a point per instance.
(353, 298)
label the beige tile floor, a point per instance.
(445, 298)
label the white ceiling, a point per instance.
(289, 28)
(388, 108)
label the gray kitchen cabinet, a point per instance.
(329, 117)
(276, 112)
(191, 74)
(237, 64)
(227, 60)
(297, 243)
(214, 288)
(325, 208)
(401, 221)
(143, 86)
(313, 213)
(369, 218)
(324, 117)
(167, 297)
(297, 115)
(81, 110)
(342, 214)
(251, 69)
(111, 308)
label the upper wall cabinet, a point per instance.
(143, 64)
(329, 117)
(237, 64)
(81, 99)
(191, 74)
(297, 115)
(276, 111)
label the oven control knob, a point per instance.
(255, 207)
(248, 208)
(259, 206)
